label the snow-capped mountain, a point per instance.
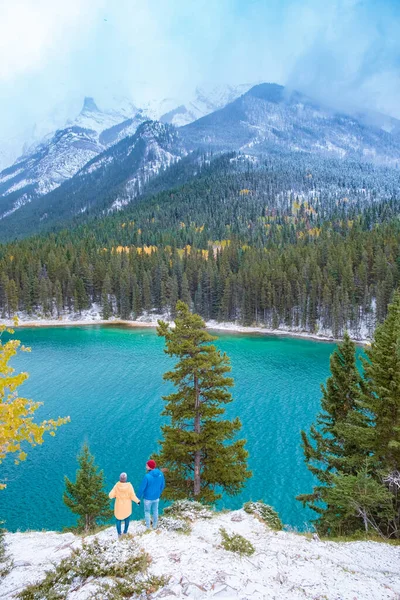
(45, 166)
(102, 160)
(58, 156)
(271, 118)
(107, 182)
(206, 100)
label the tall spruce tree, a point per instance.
(195, 446)
(86, 497)
(338, 442)
(382, 400)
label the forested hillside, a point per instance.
(292, 240)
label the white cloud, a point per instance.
(54, 52)
(33, 33)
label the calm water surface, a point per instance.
(109, 380)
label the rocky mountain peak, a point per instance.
(89, 105)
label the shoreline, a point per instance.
(211, 325)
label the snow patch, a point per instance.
(285, 566)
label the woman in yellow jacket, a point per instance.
(123, 493)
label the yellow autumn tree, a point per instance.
(17, 425)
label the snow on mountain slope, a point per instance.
(206, 99)
(58, 156)
(51, 163)
(46, 165)
(107, 182)
(271, 118)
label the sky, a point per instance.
(55, 52)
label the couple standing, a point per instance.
(150, 490)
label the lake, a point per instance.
(109, 381)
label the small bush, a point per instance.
(236, 543)
(265, 513)
(119, 559)
(120, 590)
(188, 509)
(172, 524)
(5, 561)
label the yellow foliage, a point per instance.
(245, 192)
(181, 251)
(17, 426)
(182, 225)
(146, 250)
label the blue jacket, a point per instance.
(152, 485)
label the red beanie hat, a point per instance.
(151, 464)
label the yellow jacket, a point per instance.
(123, 494)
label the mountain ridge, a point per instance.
(266, 120)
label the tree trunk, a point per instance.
(197, 480)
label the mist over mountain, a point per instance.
(104, 158)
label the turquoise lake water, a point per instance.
(109, 380)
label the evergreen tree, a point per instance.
(360, 498)
(86, 497)
(185, 291)
(382, 397)
(338, 442)
(382, 400)
(106, 304)
(195, 448)
(58, 297)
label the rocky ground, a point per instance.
(196, 566)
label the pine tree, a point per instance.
(58, 297)
(86, 497)
(360, 499)
(106, 304)
(185, 291)
(382, 400)
(195, 448)
(338, 442)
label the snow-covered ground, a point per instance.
(92, 316)
(284, 566)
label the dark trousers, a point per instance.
(126, 525)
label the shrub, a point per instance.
(118, 559)
(120, 590)
(236, 543)
(173, 524)
(5, 561)
(265, 513)
(188, 509)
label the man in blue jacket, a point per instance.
(150, 490)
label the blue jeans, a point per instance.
(151, 506)
(126, 525)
